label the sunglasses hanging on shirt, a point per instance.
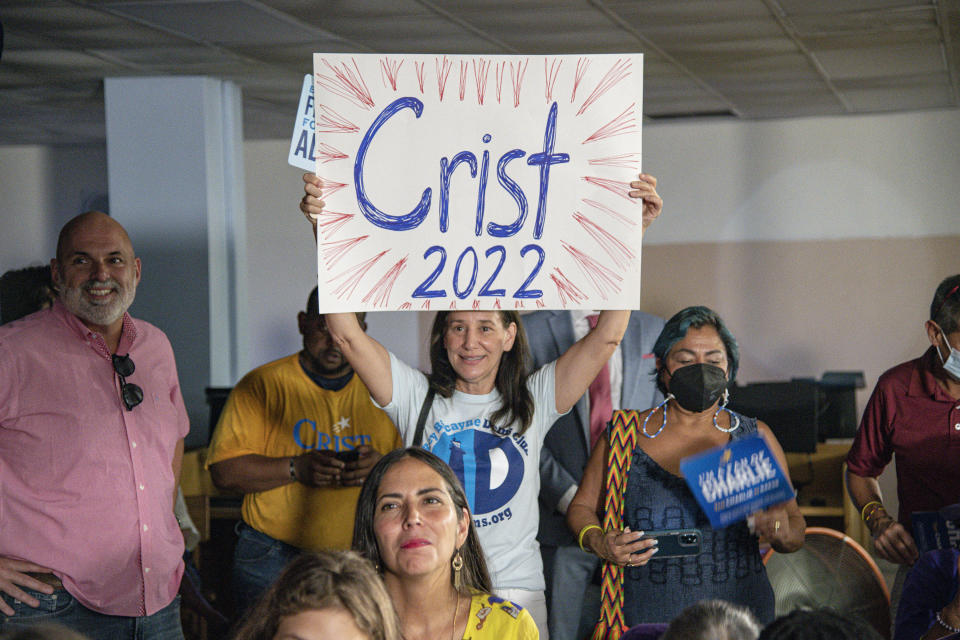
(132, 394)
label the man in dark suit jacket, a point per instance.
(568, 570)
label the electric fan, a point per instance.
(830, 570)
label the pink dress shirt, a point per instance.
(86, 486)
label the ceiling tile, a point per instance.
(881, 61)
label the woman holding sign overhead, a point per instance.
(483, 413)
(696, 357)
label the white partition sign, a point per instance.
(476, 182)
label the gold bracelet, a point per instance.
(863, 511)
(583, 532)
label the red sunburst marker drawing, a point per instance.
(603, 279)
(480, 72)
(500, 70)
(516, 77)
(418, 66)
(464, 70)
(389, 70)
(550, 76)
(619, 71)
(379, 294)
(602, 207)
(353, 275)
(582, 64)
(347, 83)
(329, 222)
(325, 153)
(569, 293)
(329, 121)
(443, 73)
(625, 122)
(618, 187)
(618, 251)
(330, 187)
(334, 251)
(622, 160)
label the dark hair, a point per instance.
(945, 308)
(713, 620)
(23, 291)
(474, 573)
(676, 328)
(819, 624)
(313, 306)
(318, 580)
(511, 382)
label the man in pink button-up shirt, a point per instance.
(91, 439)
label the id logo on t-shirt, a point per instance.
(489, 467)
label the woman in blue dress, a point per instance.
(696, 358)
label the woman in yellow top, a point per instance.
(414, 524)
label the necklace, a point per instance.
(456, 610)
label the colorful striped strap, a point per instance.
(623, 434)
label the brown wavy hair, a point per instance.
(320, 580)
(511, 382)
(474, 574)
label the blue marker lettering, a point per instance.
(508, 183)
(373, 214)
(545, 159)
(446, 170)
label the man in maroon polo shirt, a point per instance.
(914, 414)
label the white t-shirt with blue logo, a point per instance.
(499, 471)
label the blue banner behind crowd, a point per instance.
(735, 480)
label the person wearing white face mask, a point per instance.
(914, 414)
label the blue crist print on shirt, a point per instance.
(489, 466)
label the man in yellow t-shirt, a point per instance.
(297, 437)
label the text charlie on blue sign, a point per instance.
(735, 480)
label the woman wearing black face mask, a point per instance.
(696, 358)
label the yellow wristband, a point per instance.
(583, 532)
(863, 512)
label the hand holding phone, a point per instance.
(674, 543)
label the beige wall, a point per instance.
(802, 308)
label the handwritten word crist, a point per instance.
(411, 220)
(477, 183)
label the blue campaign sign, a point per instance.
(735, 480)
(303, 143)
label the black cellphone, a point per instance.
(350, 455)
(674, 543)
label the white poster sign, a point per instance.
(475, 182)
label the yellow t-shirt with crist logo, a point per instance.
(276, 410)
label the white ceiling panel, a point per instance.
(703, 58)
(873, 62)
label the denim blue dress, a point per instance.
(729, 566)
